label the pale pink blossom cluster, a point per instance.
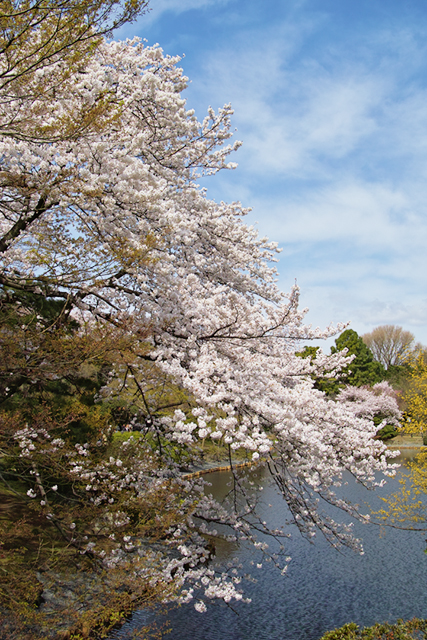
(368, 402)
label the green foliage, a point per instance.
(48, 535)
(416, 397)
(51, 371)
(363, 370)
(45, 354)
(34, 36)
(308, 352)
(330, 386)
(398, 374)
(415, 629)
(387, 432)
(347, 632)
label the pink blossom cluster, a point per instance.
(114, 222)
(368, 402)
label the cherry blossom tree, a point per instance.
(51, 40)
(111, 225)
(378, 403)
(367, 402)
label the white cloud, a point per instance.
(180, 6)
(298, 116)
(334, 161)
(158, 8)
(334, 164)
(331, 119)
(375, 215)
(363, 311)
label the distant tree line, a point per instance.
(387, 354)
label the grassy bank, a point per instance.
(415, 629)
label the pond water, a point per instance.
(323, 588)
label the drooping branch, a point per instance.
(23, 223)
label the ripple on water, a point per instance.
(323, 589)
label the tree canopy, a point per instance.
(131, 301)
(390, 345)
(407, 507)
(363, 370)
(359, 370)
(44, 46)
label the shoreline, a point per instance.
(213, 467)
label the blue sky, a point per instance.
(330, 100)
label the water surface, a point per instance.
(323, 588)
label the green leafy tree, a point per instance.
(363, 369)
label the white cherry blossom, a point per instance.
(114, 223)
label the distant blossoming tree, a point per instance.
(377, 403)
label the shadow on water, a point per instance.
(323, 588)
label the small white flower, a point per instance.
(200, 606)
(55, 487)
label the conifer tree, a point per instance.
(363, 369)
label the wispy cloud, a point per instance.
(296, 114)
(158, 8)
(333, 119)
(180, 6)
(371, 214)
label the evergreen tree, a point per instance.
(363, 369)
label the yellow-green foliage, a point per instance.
(34, 36)
(406, 506)
(403, 630)
(416, 398)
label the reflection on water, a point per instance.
(323, 588)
